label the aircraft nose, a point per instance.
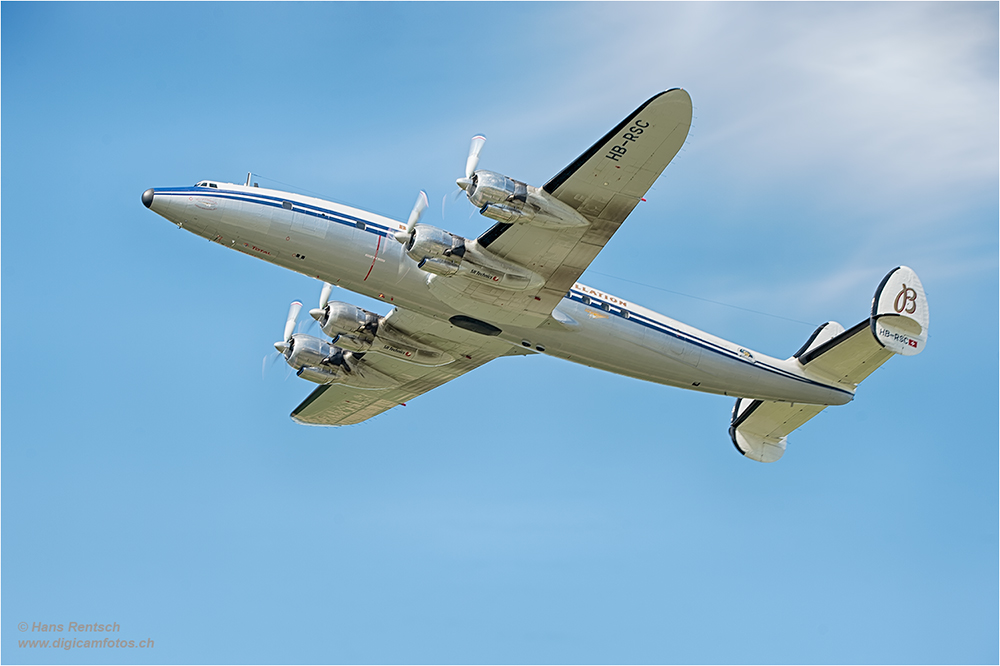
(147, 198)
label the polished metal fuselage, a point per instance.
(356, 250)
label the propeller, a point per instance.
(319, 314)
(470, 164)
(415, 214)
(447, 200)
(324, 296)
(470, 169)
(264, 365)
(286, 343)
(293, 315)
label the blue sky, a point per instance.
(532, 511)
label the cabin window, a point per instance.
(625, 313)
(360, 225)
(586, 300)
(605, 307)
(287, 205)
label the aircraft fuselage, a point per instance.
(357, 250)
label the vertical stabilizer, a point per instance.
(899, 313)
(898, 325)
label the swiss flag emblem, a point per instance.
(912, 343)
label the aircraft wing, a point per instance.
(604, 184)
(340, 404)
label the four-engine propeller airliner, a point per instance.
(458, 303)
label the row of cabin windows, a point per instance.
(604, 306)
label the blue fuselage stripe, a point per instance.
(276, 202)
(643, 320)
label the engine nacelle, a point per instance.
(352, 327)
(317, 375)
(315, 360)
(512, 202)
(503, 213)
(323, 363)
(498, 197)
(358, 330)
(435, 250)
(493, 188)
(442, 253)
(306, 351)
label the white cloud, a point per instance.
(902, 93)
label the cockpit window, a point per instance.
(213, 185)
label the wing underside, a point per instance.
(603, 185)
(342, 404)
(338, 404)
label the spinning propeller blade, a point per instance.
(417, 212)
(324, 296)
(319, 314)
(474, 150)
(472, 162)
(268, 361)
(415, 215)
(445, 201)
(293, 315)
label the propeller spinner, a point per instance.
(319, 314)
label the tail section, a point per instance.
(898, 325)
(899, 313)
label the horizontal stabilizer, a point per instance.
(820, 336)
(898, 325)
(847, 358)
(760, 428)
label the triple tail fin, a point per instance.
(898, 325)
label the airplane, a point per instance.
(458, 303)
